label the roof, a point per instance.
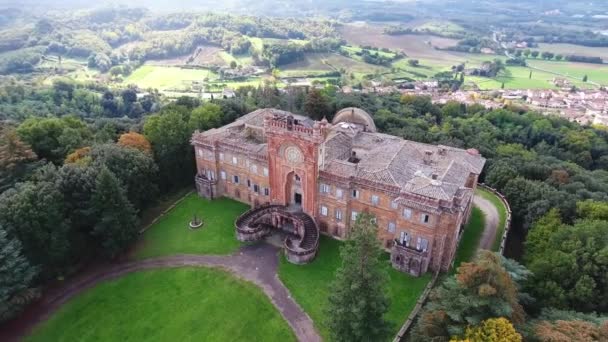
(434, 171)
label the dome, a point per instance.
(356, 116)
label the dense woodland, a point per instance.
(76, 180)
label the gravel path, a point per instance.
(491, 222)
(256, 263)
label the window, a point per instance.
(355, 193)
(404, 239)
(391, 227)
(265, 172)
(407, 213)
(375, 199)
(419, 243)
(235, 160)
(254, 168)
(221, 156)
(248, 183)
(223, 175)
(200, 152)
(323, 210)
(338, 214)
(266, 192)
(256, 188)
(210, 175)
(424, 218)
(297, 178)
(235, 179)
(325, 188)
(339, 193)
(394, 204)
(353, 216)
(424, 244)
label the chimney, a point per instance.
(427, 156)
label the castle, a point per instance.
(307, 178)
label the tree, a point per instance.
(169, 134)
(205, 117)
(35, 214)
(499, 173)
(585, 78)
(16, 274)
(135, 169)
(491, 330)
(527, 53)
(53, 138)
(233, 64)
(316, 105)
(530, 76)
(78, 156)
(116, 226)
(16, 158)
(574, 330)
(136, 141)
(358, 300)
(534, 54)
(480, 290)
(413, 62)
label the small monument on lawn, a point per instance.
(196, 222)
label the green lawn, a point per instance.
(172, 235)
(309, 284)
(470, 238)
(186, 304)
(502, 215)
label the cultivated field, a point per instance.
(413, 45)
(596, 72)
(203, 55)
(315, 64)
(569, 49)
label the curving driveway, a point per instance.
(491, 222)
(256, 263)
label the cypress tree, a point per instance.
(116, 227)
(358, 297)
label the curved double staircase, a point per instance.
(256, 223)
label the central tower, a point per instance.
(293, 157)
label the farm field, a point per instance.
(167, 77)
(569, 49)
(203, 55)
(309, 285)
(596, 72)
(315, 64)
(186, 304)
(515, 77)
(413, 45)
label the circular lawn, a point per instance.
(185, 304)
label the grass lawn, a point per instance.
(309, 284)
(470, 238)
(167, 77)
(502, 215)
(186, 304)
(171, 234)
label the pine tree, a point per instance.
(316, 105)
(116, 227)
(16, 274)
(358, 299)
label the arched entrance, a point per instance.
(294, 193)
